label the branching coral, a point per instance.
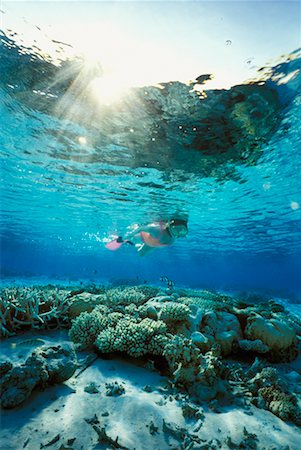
(136, 338)
(125, 296)
(183, 358)
(117, 332)
(199, 373)
(86, 327)
(270, 391)
(174, 312)
(32, 307)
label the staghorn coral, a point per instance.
(32, 307)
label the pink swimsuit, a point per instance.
(149, 240)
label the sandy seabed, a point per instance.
(147, 415)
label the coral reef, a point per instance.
(223, 328)
(283, 405)
(270, 391)
(173, 312)
(45, 366)
(274, 333)
(86, 327)
(32, 308)
(199, 373)
(253, 346)
(135, 338)
(190, 332)
(84, 302)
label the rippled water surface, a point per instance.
(76, 172)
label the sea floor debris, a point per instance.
(208, 367)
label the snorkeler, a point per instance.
(154, 235)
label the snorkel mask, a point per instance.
(177, 228)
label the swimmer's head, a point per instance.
(178, 228)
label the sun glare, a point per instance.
(109, 89)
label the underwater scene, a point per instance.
(150, 293)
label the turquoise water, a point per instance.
(75, 174)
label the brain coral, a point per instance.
(274, 333)
(225, 328)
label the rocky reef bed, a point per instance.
(176, 368)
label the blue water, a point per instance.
(74, 174)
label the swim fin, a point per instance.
(117, 243)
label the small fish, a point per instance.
(203, 78)
(29, 343)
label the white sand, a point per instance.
(61, 410)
